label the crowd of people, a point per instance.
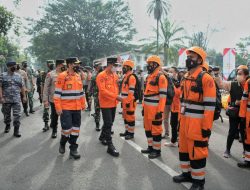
(188, 98)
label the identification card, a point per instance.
(69, 86)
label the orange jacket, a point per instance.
(199, 108)
(108, 89)
(176, 105)
(155, 95)
(69, 92)
(128, 88)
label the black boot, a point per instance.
(46, 127)
(16, 132)
(184, 177)
(32, 111)
(147, 151)
(26, 113)
(123, 134)
(154, 154)
(63, 142)
(197, 186)
(102, 139)
(74, 154)
(129, 136)
(97, 127)
(7, 128)
(244, 164)
(112, 151)
(54, 134)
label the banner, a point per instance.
(182, 57)
(228, 61)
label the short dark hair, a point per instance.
(245, 71)
(175, 69)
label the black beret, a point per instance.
(72, 60)
(24, 62)
(10, 63)
(111, 60)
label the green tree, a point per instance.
(6, 21)
(170, 37)
(89, 29)
(158, 8)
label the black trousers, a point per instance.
(108, 115)
(234, 124)
(53, 117)
(174, 126)
(25, 104)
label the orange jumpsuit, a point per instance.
(245, 113)
(196, 120)
(128, 102)
(69, 97)
(154, 102)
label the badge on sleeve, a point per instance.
(69, 86)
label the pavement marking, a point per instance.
(224, 118)
(157, 162)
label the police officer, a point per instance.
(69, 100)
(26, 86)
(48, 94)
(107, 82)
(94, 92)
(50, 65)
(31, 84)
(11, 83)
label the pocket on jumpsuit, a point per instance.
(200, 150)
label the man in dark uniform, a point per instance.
(11, 83)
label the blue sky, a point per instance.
(229, 17)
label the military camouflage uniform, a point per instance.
(46, 109)
(94, 92)
(31, 87)
(11, 86)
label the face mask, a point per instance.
(12, 69)
(240, 78)
(63, 68)
(113, 69)
(24, 66)
(150, 69)
(51, 67)
(124, 70)
(76, 68)
(190, 64)
(17, 67)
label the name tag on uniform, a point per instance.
(183, 110)
(69, 86)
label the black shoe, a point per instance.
(16, 132)
(62, 148)
(244, 164)
(196, 186)
(154, 154)
(123, 134)
(74, 154)
(46, 127)
(26, 113)
(104, 142)
(32, 111)
(97, 127)
(7, 129)
(184, 177)
(54, 135)
(129, 136)
(147, 151)
(112, 132)
(112, 151)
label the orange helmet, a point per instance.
(242, 67)
(128, 63)
(199, 51)
(205, 66)
(154, 58)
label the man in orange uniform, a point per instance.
(128, 99)
(107, 82)
(196, 120)
(245, 115)
(69, 101)
(154, 102)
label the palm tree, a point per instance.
(170, 37)
(158, 8)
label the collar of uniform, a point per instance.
(128, 73)
(156, 71)
(109, 74)
(195, 73)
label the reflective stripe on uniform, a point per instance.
(245, 95)
(185, 166)
(124, 94)
(150, 141)
(247, 156)
(156, 145)
(198, 174)
(209, 103)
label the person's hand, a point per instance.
(237, 102)
(46, 104)
(158, 116)
(119, 98)
(2, 100)
(59, 112)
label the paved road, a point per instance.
(33, 162)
